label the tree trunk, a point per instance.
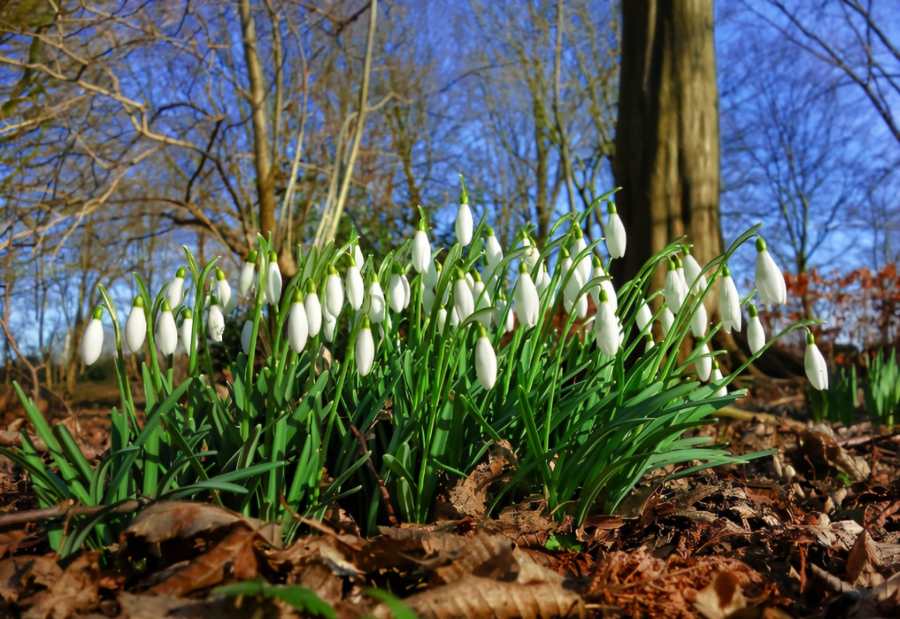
(667, 133)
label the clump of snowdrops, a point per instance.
(375, 385)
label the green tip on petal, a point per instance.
(273, 257)
(220, 274)
(332, 270)
(671, 264)
(760, 244)
(563, 252)
(726, 271)
(298, 296)
(715, 364)
(310, 287)
(464, 195)
(213, 300)
(138, 301)
(181, 272)
(523, 268)
(502, 296)
(98, 313)
(423, 225)
(165, 306)
(810, 340)
(612, 208)
(188, 314)
(365, 322)
(490, 231)
(752, 310)
(595, 261)
(458, 272)
(482, 332)
(678, 263)
(252, 256)
(476, 275)
(604, 298)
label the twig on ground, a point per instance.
(384, 492)
(68, 509)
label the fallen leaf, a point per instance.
(863, 562)
(75, 590)
(721, 597)
(20, 575)
(169, 520)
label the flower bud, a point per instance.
(644, 315)
(756, 335)
(187, 330)
(666, 320)
(329, 326)
(92, 340)
(223, 291)
(695, 281)
(769, 279)
(334, 292)
(274, 282)
(703, 364)
(215, 321)
(485, 360)
(607, 330)
(298, 324)
(365, 348)
(699, 321)
(527, 302)
(463, 302)
(729, 303)
(313, 309)
(814, 362)
(246, 336)
(493, 253)
(136, 325)
(421, 249)
(464, 222)
(175, 293)
(396, 293)
(377, 309)
(166, 331)
(717, 376)
(615, 233)
(248, 272)
(674, 291)
(356, 288)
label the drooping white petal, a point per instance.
(463, 302)
(215, 323)
(816, 368)
(248, 272)
(770, 282)
(695, 281)
(607, 331)
(666, 320)
(492, 250)
(365, 349)
(356, 288)
(674, 291)
(246, 336)
(274, 281)
(334, 293)
(377, 308)
(396, 293)
(421, 251)
(729, 304)
(441, 319)
(717, 376)
(298, 327)
(756, 335)
(136, 326)
(329, 325)
(167, 332)
(699, 321)
(527, 302)
(482, 301)
(187, 330)
(313, 313)
(175, 293)
(92, 340)
(465, 225)
(431, 275)
(485, 362)
(644, 315)
(703, 364)
(615, 235)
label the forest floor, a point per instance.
(811, 532)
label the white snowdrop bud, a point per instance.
(396, 293)
(427, 299)
(493, 253)
(441, 319)
(584, 263)
(329, 325)
(432, 274)
(527, 302)
(703, 363)
(248, 272)
(274, 282)
(485, 360)
(215, 321)
(648, 343)
(166, 331)
(356, 288)
(717, 376)
(729, 303)
(574, 283)
(365, 348)
(644, 315)
(699, 321)
(615, 233)
(607, 330)
(377, 309)
(92, 340)
(465, 224)
(175, 293)
(543, 281)
(463, 302)
(756, 335)
(769, 280)
(246, 336)
(421, 249)
(313, 309)
(695, 281)
(223, 291)
(814, 362)
(510, 323)
(531, 254)
(298, 324)
(674, 291)
(187, 330)
(136, 325)
(334, 292)
(358, 257)
(407, 291)
(666, 320)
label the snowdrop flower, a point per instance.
(136, 325)
(606, 285)
(358, 257)
(246, 336)
(166, 331)
(329, 325)
(407, 291)
(816, 368)
(695, 281)
(427, 299)
(215, 321)
(365, 348)
(615, 233)
(729, 303)
(334, 292)
(465, 224)
(313, 309)
(493, 253)
(699, 321)
(356, 289)
(531, 254)
(607, 331)
(485, 360)
(574, 282)
(666, 320)
(377, 309)
(223, 291)
(92, 340)
(674, 290)
(717, 376)
(175, 293)
(441, 319)
(648, 343)
(463, 301)
(421, 249)
(644, 315)
(756, 335)
(543, 281)
(703, 364)
(248, 272)
(298, 324)
(482, 301)
(584, 264)
(769, 279)
(187, 330)
(510, 323)
(432, 274)
(526, 298)
(396, 293)
(274, 282)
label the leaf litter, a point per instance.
(813, 532)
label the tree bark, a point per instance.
(667, 133)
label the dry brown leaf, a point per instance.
(485, 556)
(721, 597)
(183, 519)
(156, 606)
(863, 562)
(233, 558)
(819, 446)
(19, 575)
(75, 590)
(11, 537)
(470, 495)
